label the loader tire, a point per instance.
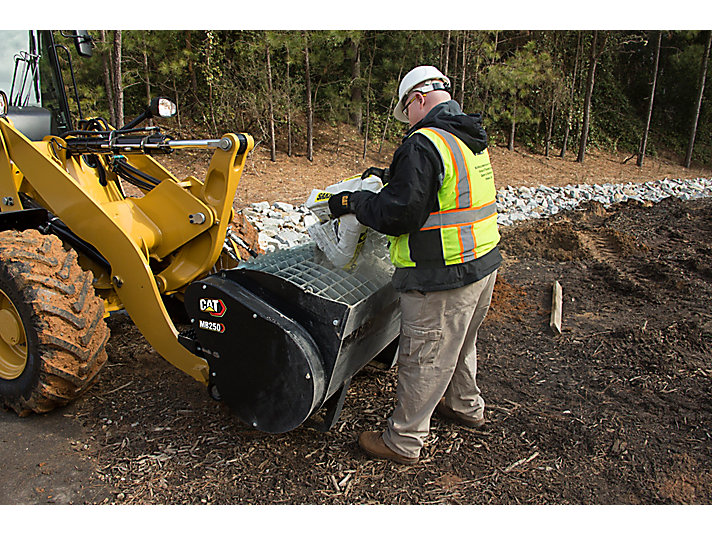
(52, 330)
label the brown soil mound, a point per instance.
(564, 240)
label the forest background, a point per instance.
(638, 92)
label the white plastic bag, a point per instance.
(340, 239)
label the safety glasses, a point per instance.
(405, 108)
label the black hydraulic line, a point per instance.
(140, 174)
(93, 161)
(117, 141)
(34, 216)
(61, 230)
(133, 180)
(102, 173)
(96, 124)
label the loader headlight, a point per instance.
(162, 107)
(3, 104)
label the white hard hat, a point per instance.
(424, 73)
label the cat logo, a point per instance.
(321, 197)
(214, 307)
(213, 327)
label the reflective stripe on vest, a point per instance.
(467, 216)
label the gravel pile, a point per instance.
(516, 204)
(282, 225)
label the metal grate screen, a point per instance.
(300, 266)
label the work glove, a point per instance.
(383, 174)
(339, 204)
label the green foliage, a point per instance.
(615, 124)
(519, 86)
(219, 80)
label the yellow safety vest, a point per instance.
(466, 219)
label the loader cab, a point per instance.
(31, 77)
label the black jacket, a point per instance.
(416, 174)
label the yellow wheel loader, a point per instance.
(277, 338)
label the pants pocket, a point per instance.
(418, 346)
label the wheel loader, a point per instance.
(277, 337)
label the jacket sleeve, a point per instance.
(404, 204)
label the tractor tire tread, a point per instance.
(67, 317)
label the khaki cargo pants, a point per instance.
(437, 357)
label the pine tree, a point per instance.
(653, 83)
(596, 50)
(698, 104)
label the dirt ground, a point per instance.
(615, 410)
(339, 151)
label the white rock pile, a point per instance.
(516, 204)
(282, 225)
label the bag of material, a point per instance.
(340, 239)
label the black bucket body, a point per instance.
(284, 333)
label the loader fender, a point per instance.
(21, 220)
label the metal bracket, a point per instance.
(333, 407)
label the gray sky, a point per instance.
(11, 42)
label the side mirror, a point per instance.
(4, 105)
(162, 107)
(159, 107)
(83, 43)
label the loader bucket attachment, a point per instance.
(284, 333)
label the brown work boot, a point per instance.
(461, 419)
(373, 445)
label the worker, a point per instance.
(438, 209)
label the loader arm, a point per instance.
(128, 233)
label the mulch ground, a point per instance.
(615, 410)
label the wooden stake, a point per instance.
(521, 462)
(555, 321)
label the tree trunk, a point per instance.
(698, 107)
(368, 104)
(447, 52)
(595, 54)
(464, 65)
(494, 55)
(289, 109)
(567, 126)
(644, 140)
(106, 68)
(178, 112)
(191, 69)
(356, 93)
(454, 68)
(388, 117)
(145, 69)
(550, 127)
(270, 100)
(117, 79)
(208, 59)
(510, 146)
(310, 111)
(147, 74)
